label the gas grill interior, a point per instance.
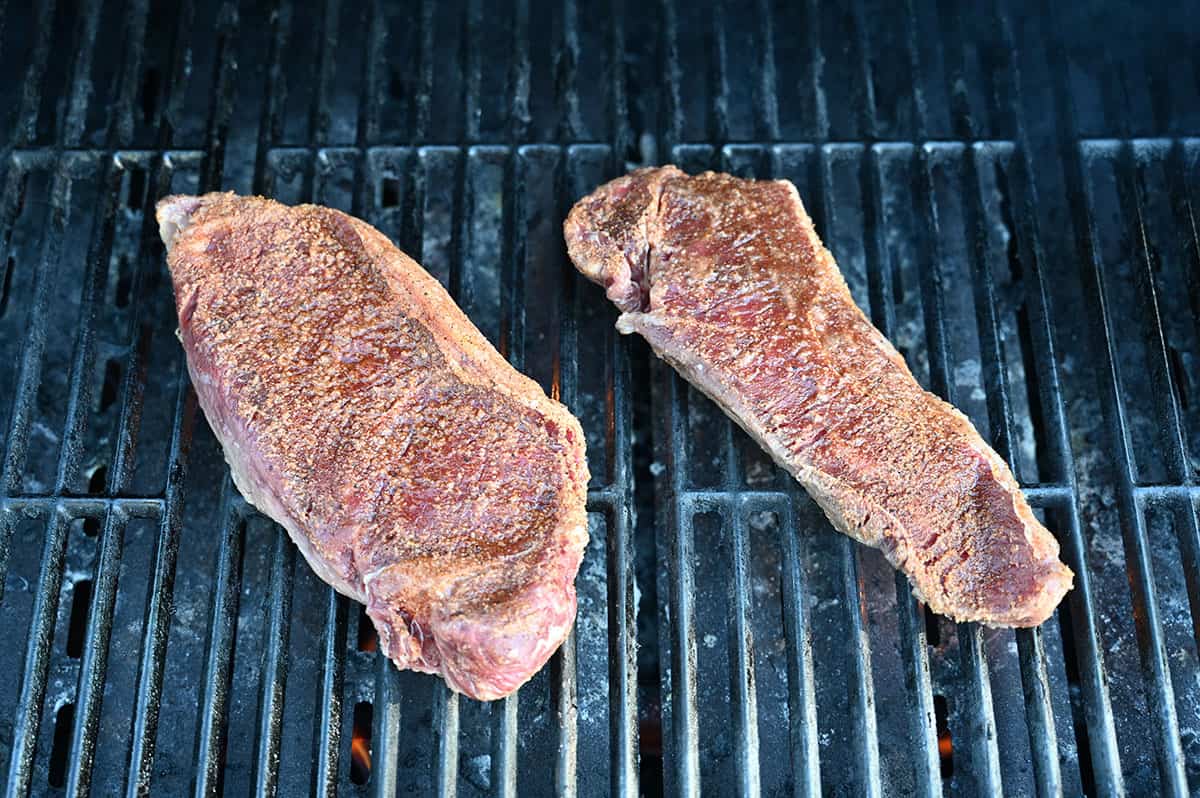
(1011, 191)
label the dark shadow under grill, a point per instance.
(1010, 194)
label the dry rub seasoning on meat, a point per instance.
(727, 280)
(358, 407)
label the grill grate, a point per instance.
(1010, 195)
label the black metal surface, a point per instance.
(1010, 193)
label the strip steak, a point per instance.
(358, 407)
(728, 282)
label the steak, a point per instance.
(359, 408)
(728, 282)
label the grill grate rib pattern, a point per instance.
(1010, 194)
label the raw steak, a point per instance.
(358, 407)
(727, 280)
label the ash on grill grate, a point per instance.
(1011, 194)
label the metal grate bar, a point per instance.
(1187, 527)
(920, 103)
(802, 705)
(620, 124)
(1160, 694)
(218, 669)
(861, 686)
(571, 125)
(133, 387)
(333, 673)
(869, 111)
(512, 304)
(923, 724)
(271, 118)
(158, 617)
(765, 92)
(76, 110)
(984, 753)
(565, 379)
(913, 642)
(679, 629)
(672, 129)
(821, 103)
(386, 737)
(217, 128)
(85, 506)
(79, 387)
(622, 620)
(445, 719)
(1039, 712)
(565, 691)
(29, 371)
(1097, 716)
(1043, 737)
(13, 195)
(472, 68)
(319, 119)
(521, 68)
(718, 75)
(1178, 170)
(120, 125)
(374, 58)
(95, 654)
(25, 129)
(275, 668)
(168, 112)
(37, 655)
(741, 644)
(424, 95)
(505, 747)
(586, 165)
(1162, 387)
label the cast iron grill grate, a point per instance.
(1010, 193)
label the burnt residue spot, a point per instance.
(941, 711)
(81, 600)
(64, 720)
(360, 743)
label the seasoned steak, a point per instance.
(727, 280)
(358, 407)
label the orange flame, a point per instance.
(360, 752)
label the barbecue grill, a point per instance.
(1010, 191)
